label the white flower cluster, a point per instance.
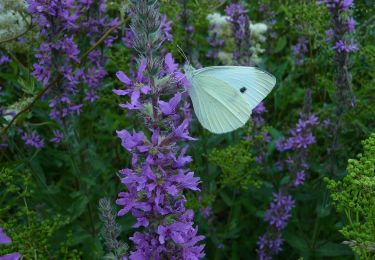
(219, 24)
(12, 21)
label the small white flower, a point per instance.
(257, 31)
(225, 57)
(259, 28)
(15, 5)
(219, 24)
(11, 21)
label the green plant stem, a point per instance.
(315, 232)
(36, 98)
(105, 35)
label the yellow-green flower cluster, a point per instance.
(355, 196)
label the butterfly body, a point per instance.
(224, 96)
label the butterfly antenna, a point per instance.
(183, 54)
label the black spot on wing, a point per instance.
(243, 89)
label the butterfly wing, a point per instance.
(219, 107)
(252, 82)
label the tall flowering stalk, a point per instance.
(341, 34)
(237, 16)
(215, 31)
(300, 50)
(158, 176)
(64, 26)
(295, 151)
(243, 39)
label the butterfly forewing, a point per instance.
(252, 82)
(219, 107)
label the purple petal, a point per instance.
(123, 78)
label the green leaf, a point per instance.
(333, 249)
(226, 199)
(280, 45)
(297, 242)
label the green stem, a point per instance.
(315, 232)
(347, 213)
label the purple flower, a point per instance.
(130, 202)
(128, 38)
(301, 137)
(33, 140)
(269, 245)
(351, 24)
(189, 29)
(237, 17)
(345, 46)
(185, 179)
(342, 37)
(214, 41)
(257, 113)
(300, 50)
(279, 212)
(171, 68)
(339, 4)
(206, 212)
(4, 239)
(299, 178)
(182, 131)
(4, 59)
(329, 33)
(166, 28)
(70, 48)
(58, 136)
(12, 256)
(240, 28)
(169, 108)
(134, 87)
(128, 141)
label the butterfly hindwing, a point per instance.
(219, 107)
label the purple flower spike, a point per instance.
(155, 184)
(61, 25)
(279, 212)
(341, 35)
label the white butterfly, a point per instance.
(224, 96)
